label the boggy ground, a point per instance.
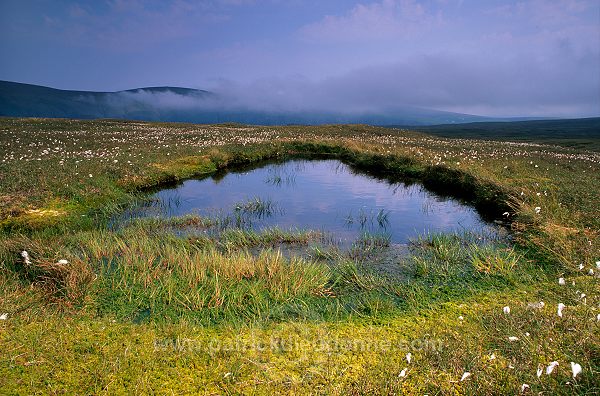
(141, 309)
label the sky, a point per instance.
(494, 58)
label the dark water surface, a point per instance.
(321, 195)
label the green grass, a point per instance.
(167, 305)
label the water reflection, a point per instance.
(322, 195)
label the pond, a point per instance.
(325, 195)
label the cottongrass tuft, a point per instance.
(551, 367)
(575, 368)
(25, 256)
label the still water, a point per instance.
(325, 195)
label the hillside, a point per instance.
(581, 133)
(192, 105)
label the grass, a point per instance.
(160, 305)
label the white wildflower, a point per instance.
(513, 338)
(575, 368)
(62, 262)
(506, 310)
(402, 373)
(591, 272)
(465, 375)
(4, 316)
(537, 210)
(492, 356)
(561, 281)
(540, 370)
(460, 318)
(561, 306)
(551, 367)
(581, 267)
(598, 265)
(524, 387)
(408, 357)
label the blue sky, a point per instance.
(504, 58)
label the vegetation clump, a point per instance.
(158, 304)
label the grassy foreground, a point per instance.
(141, 310)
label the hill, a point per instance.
(192, 105)
(576, 133)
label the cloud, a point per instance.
(385, 19)
(521, 85)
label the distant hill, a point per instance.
(189, 105)
(577, 133)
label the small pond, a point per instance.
(325, 195)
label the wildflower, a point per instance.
(598, 265)
(506, 310)
(505, 214)
(460, 318)
(62, 262)
(561, 281)
(561, 306)
(408, 357)
(524, 387)
(513, 338)
(540, 370)
(575, 368)
(492, 356)
(580, 267)
(465, 375)
(591, 272)
(402, 373)
(4, 316)
(598, 318)
(551, 367)
(90, 175)
(537, 210)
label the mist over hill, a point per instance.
(199, 106)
